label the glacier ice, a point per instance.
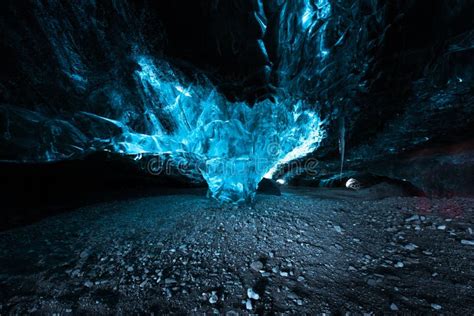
(235, 145)
(161, 111)
(231, 144)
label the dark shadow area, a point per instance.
(35, 191)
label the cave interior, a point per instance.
(237, 156)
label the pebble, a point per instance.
(248, 304)
(338, 229)
(410, 246)
(399, 264)
(412, 218)
(213, 299)
(283, 273)
(441, 227)
(88, 284)
(170, 281)
(251, 294)
(372, 282)
(393, 307)
(467, 242)
(436, 307)
(256, 266)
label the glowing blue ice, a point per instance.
(236, 145)
(160, 111)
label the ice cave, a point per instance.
(237, 157)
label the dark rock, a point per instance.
(269, 186)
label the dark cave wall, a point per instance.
(398, 77)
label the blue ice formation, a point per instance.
(163, 112)
(234, 146)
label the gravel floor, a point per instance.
(296, 253)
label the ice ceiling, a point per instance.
(234, 145)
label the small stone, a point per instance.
(248, 304)
(300, 279)
(213, 299)
(88, 284)
(299, 302)
(170, 281)
(393, 307)
(467, 242)
(338, 229)
(399, 264)
(256, 266)
(410, 246)
(436, 307)
(251, 294)
(283, 273)
(412, 218)
(441, 227)
(372, 282)
(130, 269)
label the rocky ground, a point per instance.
(297, 253)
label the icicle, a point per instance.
(342, 142)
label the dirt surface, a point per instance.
(296, 253)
